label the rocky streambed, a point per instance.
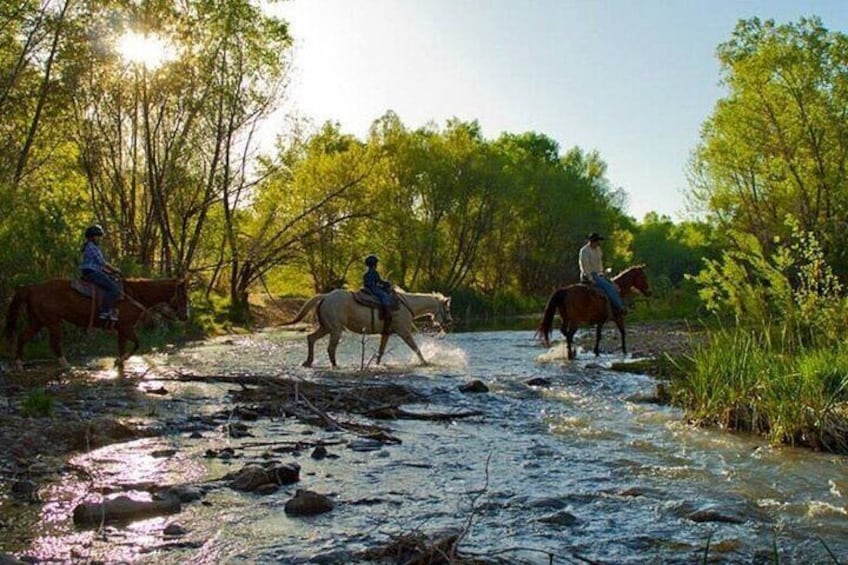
(499, 452)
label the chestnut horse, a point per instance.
(580, 304)
(50, 303)
(338, 310)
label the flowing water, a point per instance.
(585, 468)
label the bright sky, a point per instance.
(633, 79)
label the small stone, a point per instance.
(174, 529)
(308, 503)
(267, 488)
(562, 518)
(365, 445)
(474, 386)
(539, 381)
(319, 452)
(185, 493)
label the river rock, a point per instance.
(365, 444)
(562, 518)
(185, 493)
(25, 489)
(174, 529)
(123, 509)
(538, 381)
(474, 386)
(250, 477)
(308, 503)
(320, 452)
(713, 514)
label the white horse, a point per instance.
(338, 310)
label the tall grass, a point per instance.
(782, 370)
(753, 381)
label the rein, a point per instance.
(135, 303)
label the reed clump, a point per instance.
(781, 369)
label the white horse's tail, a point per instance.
(305, 309)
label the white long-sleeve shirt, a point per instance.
(591, 261)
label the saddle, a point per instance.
(364, 297)
(94, 292)
(600, 294)
(87, 289)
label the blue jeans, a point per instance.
(111, 291)
(610, 290)
(384, 297)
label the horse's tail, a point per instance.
(554, 302)
(305, 309)
(20, 298)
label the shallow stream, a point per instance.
(583, 469)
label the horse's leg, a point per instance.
(384, 339)
(126, 334)
(25, 336)
(620, 323)
(310, 344)
(55, 330)
(598, 339)
(407, 338)
(331, 347)
(569, 341)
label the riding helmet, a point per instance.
(371, 260)
(92, 231)
(594, 236)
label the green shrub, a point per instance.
(37, 404)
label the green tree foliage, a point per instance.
(777, 144)
(791, 289)
(165, 157)
(673, 251)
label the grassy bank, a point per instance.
(757, 381)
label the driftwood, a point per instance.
(312, 402)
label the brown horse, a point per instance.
(579, 304)
(50, 303)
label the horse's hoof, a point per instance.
(306, 364)
(19, 365)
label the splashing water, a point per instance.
(441, 353)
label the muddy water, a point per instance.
(584, 468)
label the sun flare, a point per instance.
(151, 51)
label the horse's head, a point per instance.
(639, 280)
(443, 315)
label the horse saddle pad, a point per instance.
(85, 288)
(363, 296)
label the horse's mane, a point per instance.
(437, 295)
(631, 268)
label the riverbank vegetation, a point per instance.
(771, 168)
(781, 369)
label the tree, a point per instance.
(777, 144)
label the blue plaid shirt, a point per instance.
(92, 257)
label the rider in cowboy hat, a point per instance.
(379, 288)
(592, 270)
